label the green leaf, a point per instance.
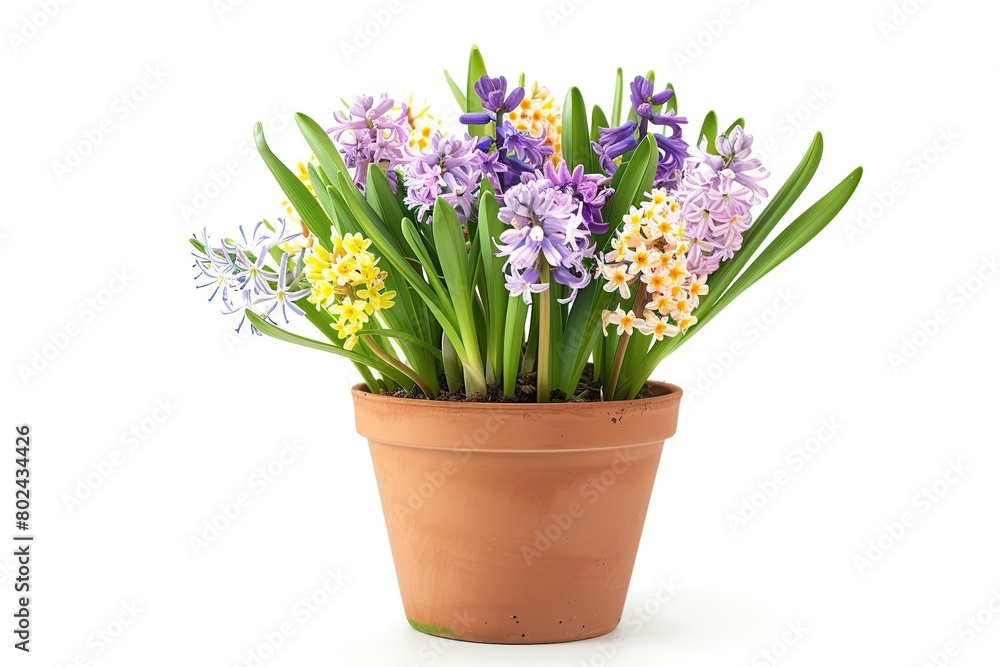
(581, 334)
(738, 121)
(379, 194)
(637, 179)
(450, 243)
(452, 364)
(672, 102)
(410, 338)
(597, 120)
(772, 214)
(477, 69)
(616, 106)
(575, 134)
(513, 338)
(802, 230)
(490, 228)
(419, 248)
(709, 132)
(520, 80)
(322, 147)
(456, 91)
(318, 223)
(276, 332)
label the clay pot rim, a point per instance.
(670, 393)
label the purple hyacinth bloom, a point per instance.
(368, 134)
(590, 190)
(546, 225)
(643, 100)
(451, 168)
(673, 153)
(493, 168)
(496, 102)
(530, 150)
(612, 143)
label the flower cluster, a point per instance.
(370, 134)
(348, 282)
(614, 142)
(450, 168)
(716, 195)
(548, 234)
(238, 271)
(649, 256)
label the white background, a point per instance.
(884, 95)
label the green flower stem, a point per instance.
(398, 365)
(616, 365)
(544, 333)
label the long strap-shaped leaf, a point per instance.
(575, 134)
(636, 178)
(787, 243)
(477, 68)
(298, 194)
(275, 331)
(450, 243)
(772, 214)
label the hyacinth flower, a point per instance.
(450, 168)
(548, 242)
(649, 264)
(238, 270)
(369, 134)
(496, 101)
(348, 283)
(517, 152)
(614, 142)
(590, 190)
(716, 196)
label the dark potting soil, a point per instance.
(525, 390)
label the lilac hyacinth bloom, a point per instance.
(496, 101)
(716, 195)
(614, 142)
(546, 226)
(369, 134)
(451, 168)
(590, 190)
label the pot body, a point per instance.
(515, 523)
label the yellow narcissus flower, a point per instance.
(352, 311)
(347, 282)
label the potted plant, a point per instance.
(505, 290)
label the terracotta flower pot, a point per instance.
(515, 523)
